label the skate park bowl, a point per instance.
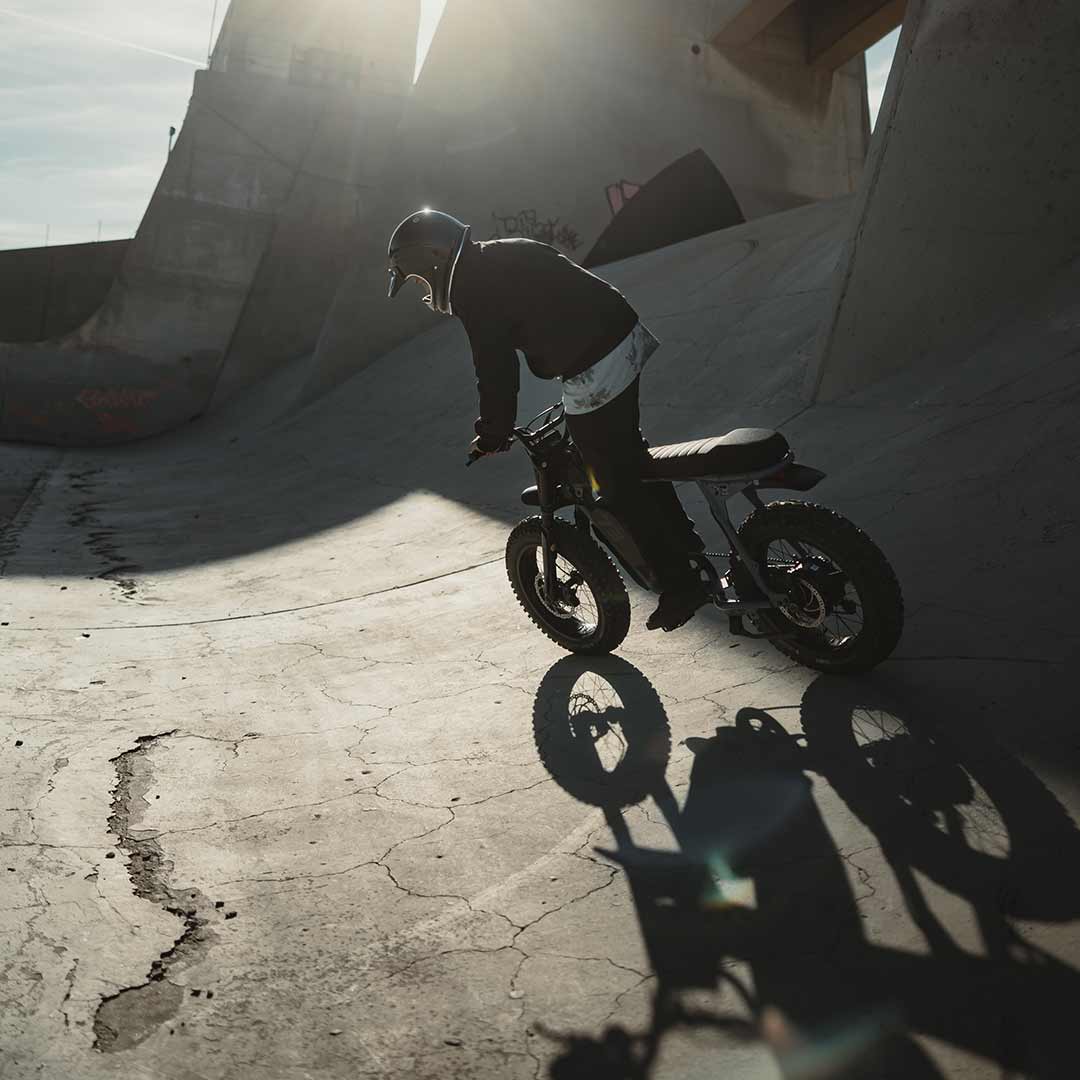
(294, 788)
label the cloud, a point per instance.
(64, 28)
(86, 120)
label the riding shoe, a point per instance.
(678, 606)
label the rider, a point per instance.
(570, 325)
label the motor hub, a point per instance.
(565, 603)
(805, 606)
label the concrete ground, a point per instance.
(293, 789)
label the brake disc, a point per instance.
(566, 602)
(809, 610)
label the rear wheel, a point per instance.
(591, 609)
(844, 611)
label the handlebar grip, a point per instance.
(476, 455)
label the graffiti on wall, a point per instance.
(121, 398)
(103, 403)
(529, 224)
(618, 195)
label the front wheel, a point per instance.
(844, 611)
(590, 612)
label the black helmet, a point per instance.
(427, 246)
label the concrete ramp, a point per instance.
(293, 788)
(971, 199)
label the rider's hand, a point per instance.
(477, 451)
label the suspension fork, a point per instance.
(545, 490)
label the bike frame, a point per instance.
(561, 482)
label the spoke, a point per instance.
(587, 612)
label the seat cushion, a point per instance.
(739, 452)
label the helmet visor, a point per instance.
(397, 279)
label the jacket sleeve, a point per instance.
(498, 378)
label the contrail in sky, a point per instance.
(99, 37)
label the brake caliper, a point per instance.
(565, 591)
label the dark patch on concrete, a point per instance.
(20, 496)
(102, 542)
(134, 1015)
(127, 1018)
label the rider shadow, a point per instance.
(757, 879)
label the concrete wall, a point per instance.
(971, 198)
(363, 69)
(540, 119)
(305, 144)
(264, 167)
(45, 292)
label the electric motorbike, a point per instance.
(795, 573)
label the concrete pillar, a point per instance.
(738, 22)
(835, 32)
(356, 58)
(839, 31)
(970, 199)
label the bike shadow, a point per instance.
(756, 905)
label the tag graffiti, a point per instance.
(119, 398)
(618, 195)
(528, 224)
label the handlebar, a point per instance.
(551, 417)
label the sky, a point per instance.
(88, 91)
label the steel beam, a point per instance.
(740, 21)
(839, 31)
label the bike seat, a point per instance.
(738, 453)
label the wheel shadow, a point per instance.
(756, 904)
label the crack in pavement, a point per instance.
(70, 980)
(13, 528)
(100, 539)
(154, 836)
(262, 614)
(132, 1014)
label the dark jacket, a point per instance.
(521, 294)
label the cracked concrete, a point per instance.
(305, 801)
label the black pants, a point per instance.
(613, 447)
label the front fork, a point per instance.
(545, 490)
